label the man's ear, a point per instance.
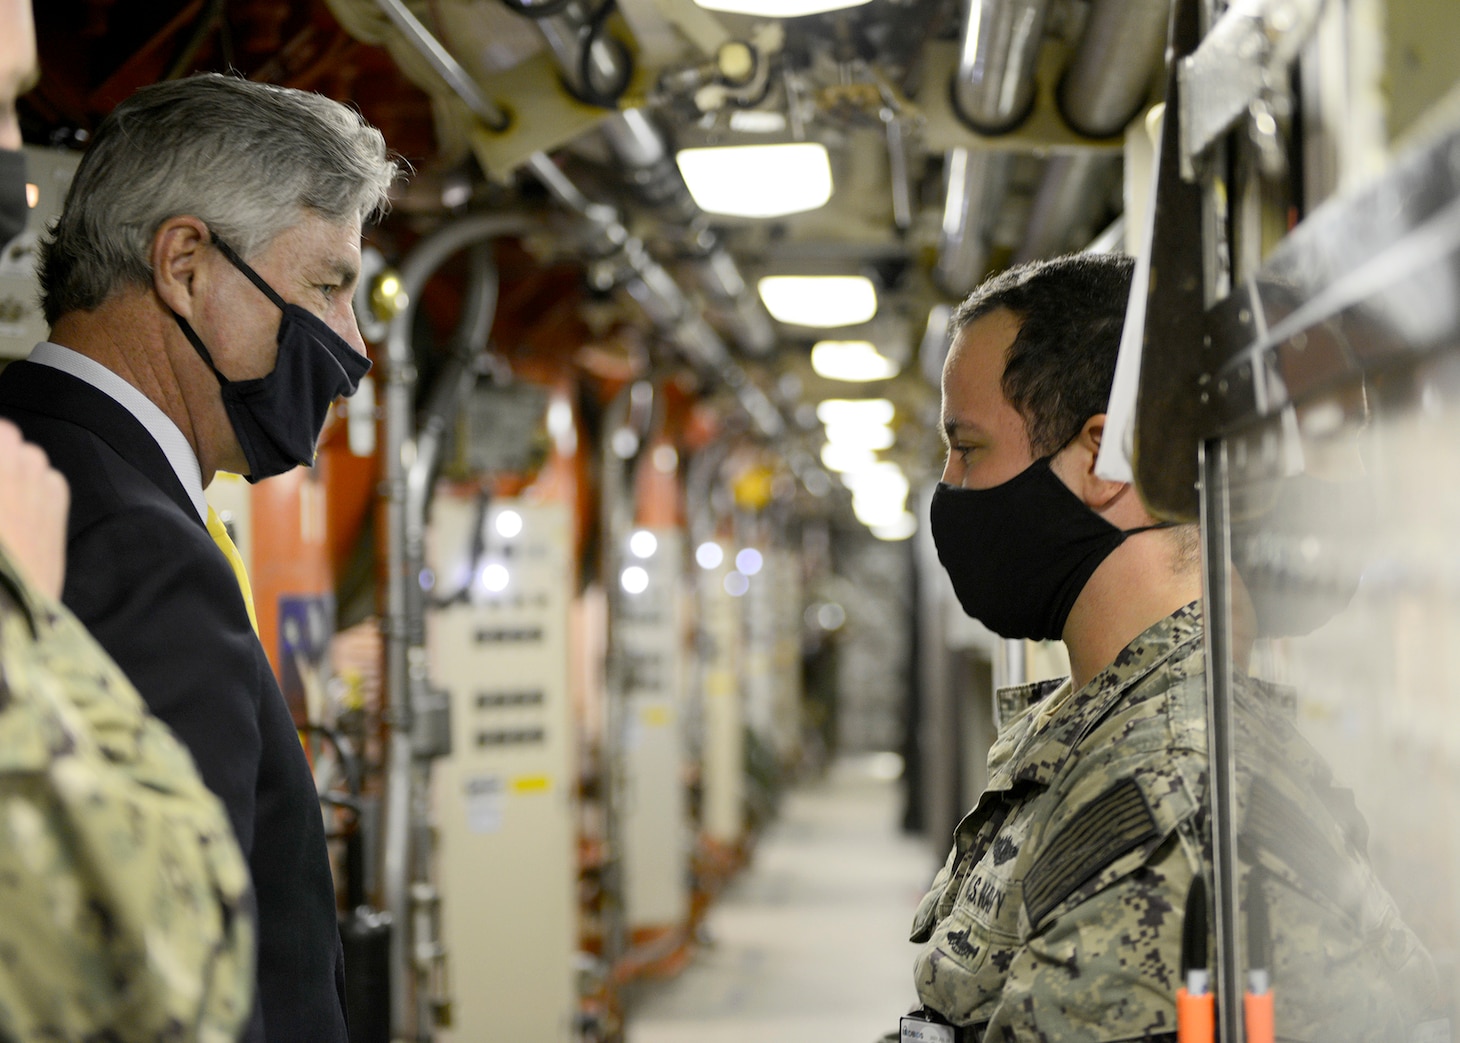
(178, 251)
(1078, 467)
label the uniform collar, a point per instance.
(1037, 756)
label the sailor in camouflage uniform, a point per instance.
(124, 903)
(1059, 912)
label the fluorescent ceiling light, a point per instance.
(757, 121)
(860, 436)
(900, 529)
(819, 300)
(880, 484)
(778, 8)
(757, 180)
(842, 458)
(855, 412)
(877, 512)
(851, 360)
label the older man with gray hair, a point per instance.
(198, 285)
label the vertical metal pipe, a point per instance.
(993, 91)
(403, 626)
(897, 168)
(1222, 760)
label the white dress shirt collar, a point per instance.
(158, 424)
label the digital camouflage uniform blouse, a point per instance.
(1058, 914)
(123, 895)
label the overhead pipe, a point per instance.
(993, 90)
(411, 457)
(623, 254)
(978, 180)
(1109, 76)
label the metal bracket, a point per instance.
(1250, 46)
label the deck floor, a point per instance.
(809, 943)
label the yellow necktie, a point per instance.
(219, 532)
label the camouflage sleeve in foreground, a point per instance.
(123, 895)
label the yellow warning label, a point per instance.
(532, 784)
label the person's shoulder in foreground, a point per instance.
(124, 906)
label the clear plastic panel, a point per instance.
(1345, 627)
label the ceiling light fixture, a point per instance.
(841, 458)
(855, 361)
(757, 180)
(905, 525)
(860, 436)
(856, 412)
(778, 8)
(819, 300)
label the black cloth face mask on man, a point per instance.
(1019, 553)
(278, 417)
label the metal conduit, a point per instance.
(449, 69)
(635, 408)
(993, 91)
(408, 460)
(1109, 77)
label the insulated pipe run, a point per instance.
(404, 624)
(993, 91)
(977, 182)
(1108, 79)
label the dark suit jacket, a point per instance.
(146, 578)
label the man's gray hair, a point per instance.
(248, 159)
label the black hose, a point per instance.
(546, 9)
(592, 33)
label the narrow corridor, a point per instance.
(809, 944)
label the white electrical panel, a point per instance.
(504, 800)
(650, 634)
(22, 326)
(723, 747)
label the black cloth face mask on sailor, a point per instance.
(1020, 553)
(278, 417)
